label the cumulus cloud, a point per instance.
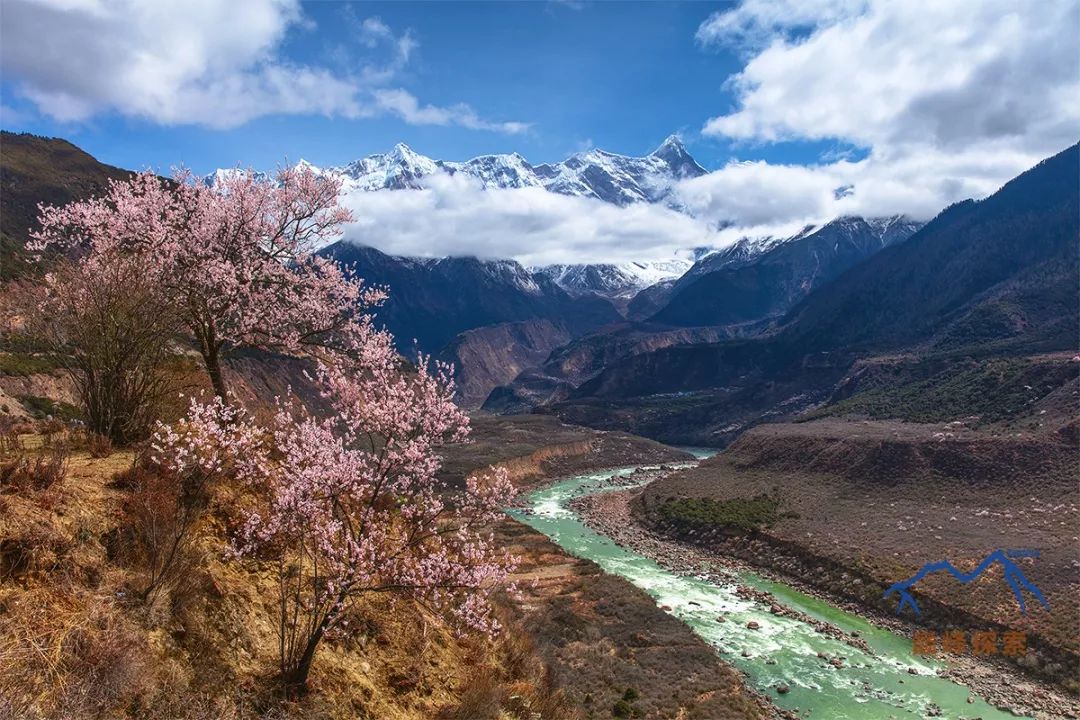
(215, 64)
(948, 99)
(942, 101)
(755, 23)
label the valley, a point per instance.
(809, 657)
(873, 393)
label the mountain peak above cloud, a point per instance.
(597, 174)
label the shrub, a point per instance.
(110, 324)
(622, 709)
(99, 446)
(159, 521)
(739, 514)
(35, 474)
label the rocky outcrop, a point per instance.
(577, 361)
(486, 357)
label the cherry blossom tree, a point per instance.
(235, 259)
(349, 504)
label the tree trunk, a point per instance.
(210, 348)
(213, 367)
(296, 680)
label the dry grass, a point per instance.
(76, 642)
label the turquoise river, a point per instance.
(782, 650)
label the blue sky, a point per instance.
(619, 76)
(909, 106)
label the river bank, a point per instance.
(609, 513)
(603, 639)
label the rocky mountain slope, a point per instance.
(493, 355)
(756, 279)
(568, 366)
(41, 170)
(433, 300)
(734, 292)
(997, 276)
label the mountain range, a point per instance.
(988, 278)
(735, 333)
(596, 174)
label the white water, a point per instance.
(783, 650)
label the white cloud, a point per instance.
(453, 215)
(948, 99)
(405, 105)
(203, 62)
(372, 30)
(755, 23)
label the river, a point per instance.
(783, 650)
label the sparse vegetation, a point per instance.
(25, 364)
(43, 407)
(160, 518)
(989, 391)
(34, 473)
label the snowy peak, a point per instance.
(399, 169)
(867, 233)
(621, 280)
(673, 153)
(496, 171)
(596, 174)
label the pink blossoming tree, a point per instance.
(236, 260)
(349, 504)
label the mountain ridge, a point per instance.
(597, 174)
(988, 278)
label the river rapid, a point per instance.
(782, 652)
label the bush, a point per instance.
(114, 332)
(159, 520)
(740, 514)
(99, 446)
(622, 709)
(34, 474)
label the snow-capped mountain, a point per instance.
(756, 278)
(874, 232)
(598, 174)
(621, 280)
